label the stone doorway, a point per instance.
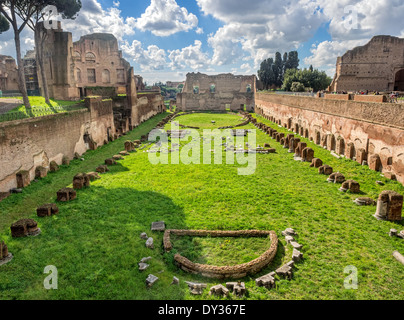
(399, 81)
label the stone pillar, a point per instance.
(23, 179)
(375, 163)
(308, 154)
(389, 206)
(361, 156)
(350, 151)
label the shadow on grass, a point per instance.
(95, 243)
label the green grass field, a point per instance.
(95, 240)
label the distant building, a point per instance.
(376, 66)
(172, 84)
(8, 74)
(217, 93)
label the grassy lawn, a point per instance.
(95, 240)
(39, 103)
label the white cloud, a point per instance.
(165, 17)
(324, 55)
(260, 28)
(191, 57)
(153, 58)
(94, 19)
(199, 30)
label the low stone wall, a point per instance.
(359, 131)
(221, 272)
(36, 142)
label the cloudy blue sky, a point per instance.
(165, 39)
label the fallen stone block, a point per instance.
(158, 226)
(144, 236)
(296, 245)
(196, 288)
(389, 206)
(143, 266)
(117, 157)
(238, 288)
(289, 232)
(219, 290)
(399, 257)
(53, 166)
(365, 201)
(336, 178)
(150, 280)
(351, 185)
(316, 163)
(175, 281)
(325, 169)
(4, 195)
(80, 181)
(40, 172)
(289, 239)
(110, 162)
(390, 175)
(297, 255)
(5, 256)
(129, 146)
(24, 228)
(65, 161)
(93, 176)
(285, 271)
(146, 259)
(102, 169)
(47, 210)
(66, 194)
(267, 281)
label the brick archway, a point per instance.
(399, 81)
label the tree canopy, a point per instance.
(4, 24)
(309, 78)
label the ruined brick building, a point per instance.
(217, 93)
(8, 74)
(73, 67)
(376, 66)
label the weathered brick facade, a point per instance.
(376, 66)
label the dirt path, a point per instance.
(9, 104)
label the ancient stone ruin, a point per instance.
(23, 179)
(351, 185)
(5, 256)
(24, 228)
(47, 210)
(389, 206)
(40, 172)
(80, 181)
(219, 290)
(66, 194)
(378, 66)
(217, 93)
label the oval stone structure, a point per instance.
(222, 272)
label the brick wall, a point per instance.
(378, 128)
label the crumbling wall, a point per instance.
(216, 93)
(371, 67)
(357, 130)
